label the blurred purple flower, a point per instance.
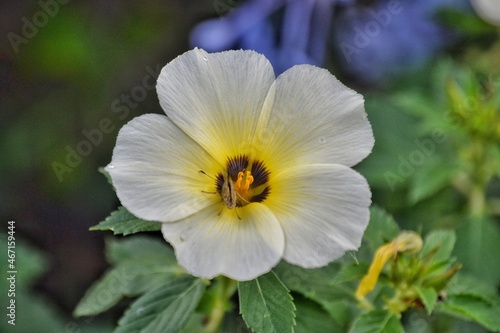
(286, 32)
(374, 39)
(385, 38)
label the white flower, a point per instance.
(247, 169)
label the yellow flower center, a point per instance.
(243, 182)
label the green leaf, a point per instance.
(463, 284)
(121, 221)
(266, 305)
(383, 163)
(428, 296)
(317, 284)
(381, 229)
(430, 180)
(232, 323)
(311, 317)
(141, 265)
(441, 241)
(136, 248)
(342, 310)
(471, 299)
(478, 246)
(473, 308)
(378, 321)
(351, 272)
(165, 309)
(322, 286)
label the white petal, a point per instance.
(155, 170)
(313, 118)
(215, 242)
(216, 98)
(323, 210)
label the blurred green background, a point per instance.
(61, 82)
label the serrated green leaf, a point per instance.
(473, 308)
(317, 284)
(311, 317)
(121, 221)
(165, 309)
(149, 267)
(378, 321)
(266, 305)
(443, 241)
(428, 296)
(467, 285)
(321, 286)
(381, 229)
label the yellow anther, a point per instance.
(243, 182)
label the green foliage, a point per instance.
(422, 279)
(377, 321)
(431, 179)
(121, 221)
(172, 301)
(165, 309)
(480, 245)
(316, 284)
(140, 265)
(474, 308)
(435, 166)
(266, 305)
(439, 244)
(471, 299)
(381, 229)
(428, 296)
(311, 317)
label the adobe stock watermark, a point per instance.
(31, 26)
(363, 37)
(416, 158)
(11, 272)
(121, 108)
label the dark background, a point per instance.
(67, 87)
(60, 84)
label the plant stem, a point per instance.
(477, 201)
(225, 289)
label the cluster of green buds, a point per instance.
(474, 106)
(474, 113)
(416, 273)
